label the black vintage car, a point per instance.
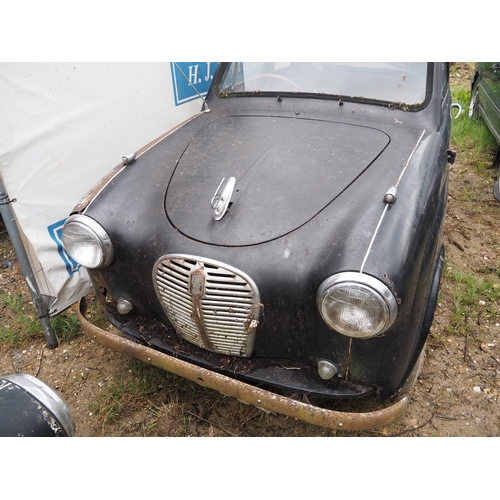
(285, 245)
(485, 102)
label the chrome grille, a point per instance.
(210, 304)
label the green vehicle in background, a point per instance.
(485, 102)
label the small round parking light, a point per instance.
(327, 369)
(124, 306)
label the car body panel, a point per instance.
(314, 174)
(291, 169)
(485, 100)
(488, 81)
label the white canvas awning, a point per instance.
(63, 127)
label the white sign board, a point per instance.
(63, 127)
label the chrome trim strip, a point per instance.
(387, 203)
(373, 238)
(410, 157)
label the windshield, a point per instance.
(402, 83)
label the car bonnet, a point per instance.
(286, 169)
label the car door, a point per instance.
(490, 99)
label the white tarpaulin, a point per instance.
(64, 126)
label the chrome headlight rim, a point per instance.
(98, 235)
(377, 288)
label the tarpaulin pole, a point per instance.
(15, 237)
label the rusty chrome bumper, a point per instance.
(247, 393)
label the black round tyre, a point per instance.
(496, 187)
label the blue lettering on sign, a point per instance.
(191, 80)
(55, 231)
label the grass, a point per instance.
(66, 326)
(145, 399)
(20, 323)
(474, 297)
(471, 137)
(142, 382)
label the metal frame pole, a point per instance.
(15, 237)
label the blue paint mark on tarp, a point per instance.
(55, 232)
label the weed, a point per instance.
(17, 325)
(133, 390)
(474, 297)
(148, 428)
(186, 418)
(471, 136)
(147, 380)
(108, 404)
(21, 323)
(94, 312)
(66, 326)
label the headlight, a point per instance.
(356, 305)
(87, 242)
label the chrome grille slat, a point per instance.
(230, 326)
(178, 305)
(220, 295)
(229, 307)
(179, 295)
(181, 284)
(225, 290)
(167, 288)
(219, 318)
(224, 307)
(172, 273)
(235, 316)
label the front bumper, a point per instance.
(265, 400)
